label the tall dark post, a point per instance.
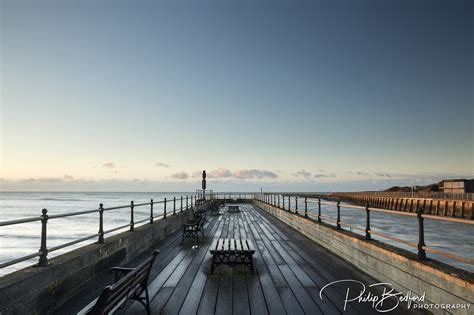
(296, 205)
(289, 203)
(203, 185)
(278, 201)
(181, 207)
(421, 235)
(186, 202)
(43, 258)
(174, 205)
(367, 223)
(305, 207)
(151, 211)
(338, 226)
(319, 209)
(283, 202)
(101, 224)
(132, 222)
(164, 208)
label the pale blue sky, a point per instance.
(319, 95)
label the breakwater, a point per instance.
(456, 208)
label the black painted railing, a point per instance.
(285, 202)
(170, 206)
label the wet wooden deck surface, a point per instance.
(290, 270)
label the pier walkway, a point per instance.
(290, 270)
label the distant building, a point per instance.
(458, 186)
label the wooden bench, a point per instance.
(232, 252)
(234, 209)
(192, 229)
(129, 283)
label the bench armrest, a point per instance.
(120, 272)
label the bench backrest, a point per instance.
(115, 294)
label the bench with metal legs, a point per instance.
(232, 252)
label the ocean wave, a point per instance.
(59, 199)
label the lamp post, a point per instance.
(204, 184)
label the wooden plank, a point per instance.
(305, 300)
(195, 292)
(240, 295)
(326, 270)
(232, 245)
(273, 301)
(176, 300)
(256, 298)
(208, 300)
(272, 297)
(291, 304)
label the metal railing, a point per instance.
(211, 195)
(184, 203)
(415, 194)
(284, 202)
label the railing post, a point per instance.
(367, 223)
(278, 201)
(164, 208)
(296, 205)
(101, 224)
(186, 202)
(338, 226)
(305, 207)
(181, 208)
(174, 205)
(151, 211)
(132, 222)
(289, 203)
(421, 235)
(43, 258)
(319, 209)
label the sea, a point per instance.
(23, 239)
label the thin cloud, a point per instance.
(303, 174)
(332, 175)
(159, 164)
(362, 173)
(383, 175)
(320, 176)
(254, 174)
(219, 173)
(108, 165)
(180, 175)
(196, 174)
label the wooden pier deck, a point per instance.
(290, 271)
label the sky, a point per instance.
(280, 95)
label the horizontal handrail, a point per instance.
(284, 202)
(71, 214)
(52, 249)
(117, 228)
(19, 260)
(20, 221)
(178, 204)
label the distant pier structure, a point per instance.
(458, 186)
(452, 204)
